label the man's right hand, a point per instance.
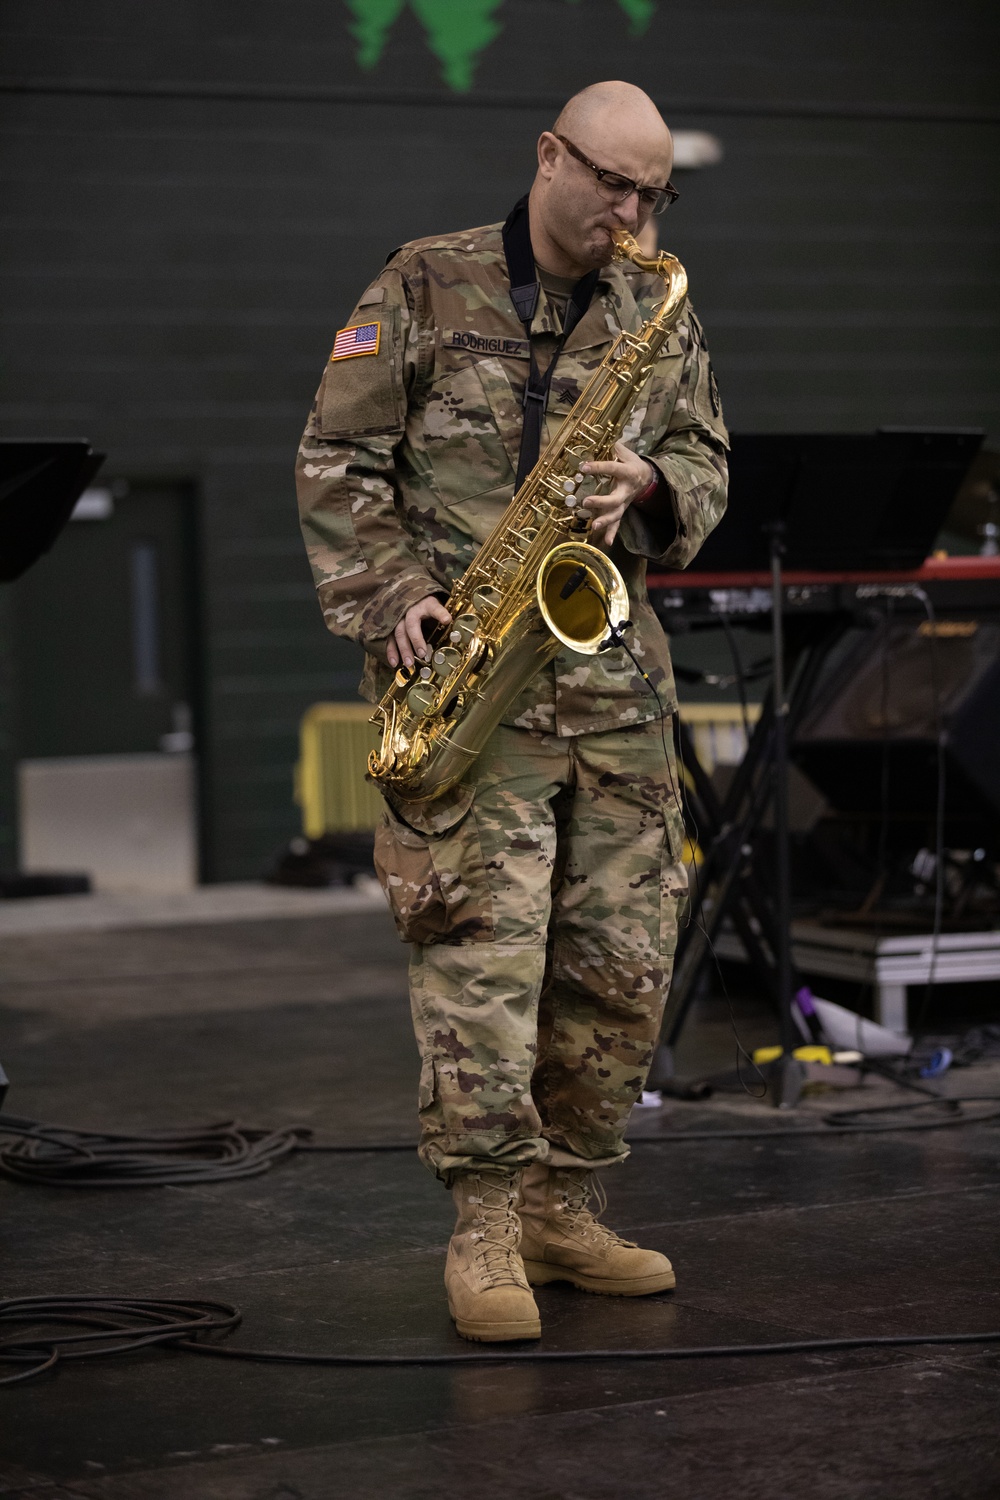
(407, 644)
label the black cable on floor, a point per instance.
(114, 1325)
(833, 1127)
(119, 1325)
(57, 1156)
(64, 1157)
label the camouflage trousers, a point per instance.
(542, 900)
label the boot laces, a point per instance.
(573, 1197)
(497, 1231)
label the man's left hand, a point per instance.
(629, 475)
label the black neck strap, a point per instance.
(524, 295)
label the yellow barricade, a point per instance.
(717, 731)
(335, 740)
(330, 785)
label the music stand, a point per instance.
(821, 504)
(855, 501)
(40, 483)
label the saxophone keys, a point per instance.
(420, 699)
(485, 599)
(463, 629)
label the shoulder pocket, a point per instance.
(362, 394)
(705, 396)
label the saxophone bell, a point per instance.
(580, 595)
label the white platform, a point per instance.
(891, 964)
(894, 963)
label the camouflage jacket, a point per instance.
(409, 459)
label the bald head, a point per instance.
(614, 108)
(619, 129)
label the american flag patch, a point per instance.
(363, 338)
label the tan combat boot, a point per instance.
(562, 1240)
(488, 1294)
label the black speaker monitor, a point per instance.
(869, 739)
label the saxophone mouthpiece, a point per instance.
(626, 245)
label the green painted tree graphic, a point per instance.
(458, 31)
(639, 12)
(372, 23)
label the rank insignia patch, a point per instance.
(363, 338)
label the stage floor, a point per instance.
(304, 1019)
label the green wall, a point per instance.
(194, 194)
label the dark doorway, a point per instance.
(105, 633)
(105, 627)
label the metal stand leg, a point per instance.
(890, 1006)
(787, 1080)
(727, 885)
(724, 860)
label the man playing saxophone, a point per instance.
(542, 893)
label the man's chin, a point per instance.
(599, 250)
(596, 250)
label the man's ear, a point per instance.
(548, 153)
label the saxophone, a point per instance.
(535, 585)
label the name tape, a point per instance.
(482, 343)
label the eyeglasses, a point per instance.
(615, 188)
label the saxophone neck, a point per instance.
(627, 247)
(664, 265)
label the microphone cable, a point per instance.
(104, 1326)
(63, 1157)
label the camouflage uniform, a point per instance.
(542, 895)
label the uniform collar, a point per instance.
(613, 309)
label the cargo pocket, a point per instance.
(434, 877)
(673, 875)
(462, 437)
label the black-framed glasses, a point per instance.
(615, 188)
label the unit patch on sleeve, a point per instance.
(363, 338)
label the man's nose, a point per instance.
(627, 211)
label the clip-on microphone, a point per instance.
(572, 583)
(615, 638)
